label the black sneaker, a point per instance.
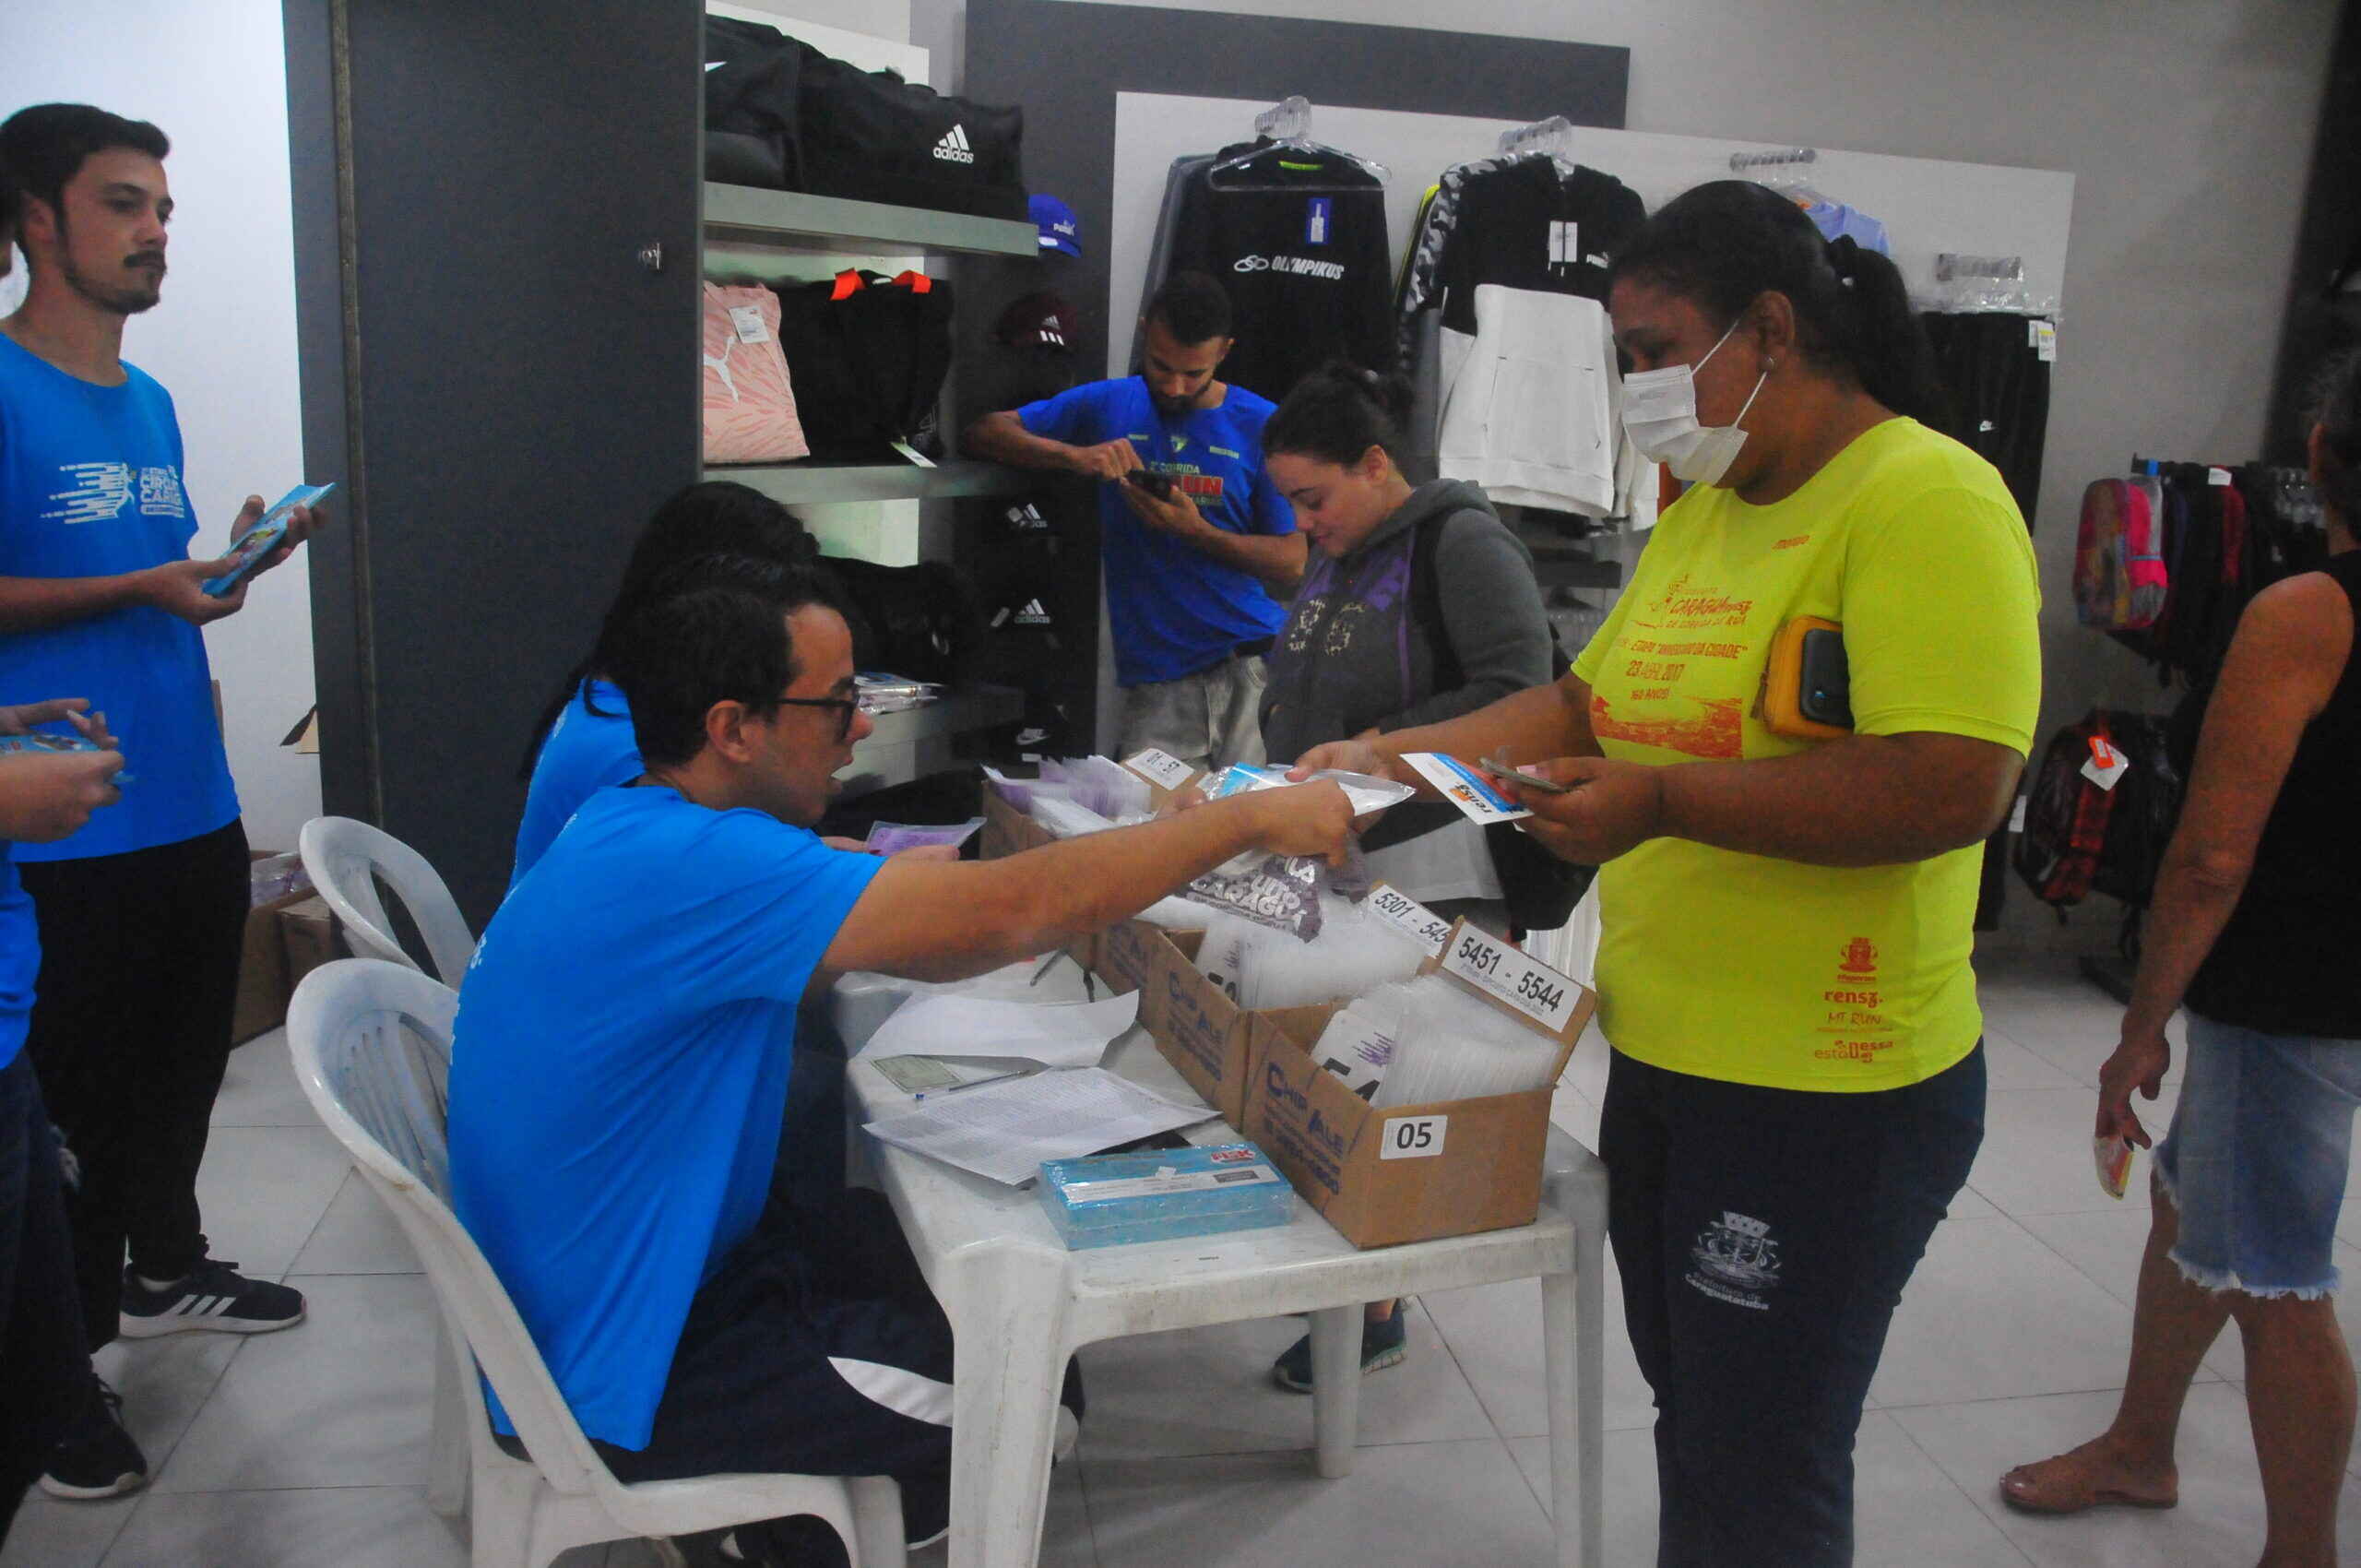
(212, 1298)
(97, 1458)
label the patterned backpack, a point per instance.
(2119, 579)
(2066, 818)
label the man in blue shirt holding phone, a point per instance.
(141, 912)
(1200, 550)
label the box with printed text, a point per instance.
(1414, 1173)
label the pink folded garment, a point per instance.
(749, 402)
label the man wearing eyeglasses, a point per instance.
(625, 1042)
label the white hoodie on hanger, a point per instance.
(1530, 403)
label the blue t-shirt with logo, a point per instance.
(19, 956)
(618, 1072)
(590, 747)
(90, 486)
(1173, 610)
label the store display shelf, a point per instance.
(959, 713)
(859, 228)
(820, 485)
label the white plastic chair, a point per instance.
(372, 1043)
(344, 858)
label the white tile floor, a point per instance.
(308, 1448)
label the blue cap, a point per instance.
(1061, 229)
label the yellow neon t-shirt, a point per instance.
(1755, 970)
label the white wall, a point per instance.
(214, 77)
(2188, 125)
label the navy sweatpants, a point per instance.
(1764, 1237)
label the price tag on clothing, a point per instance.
(2017, 817)
(1161, 768)
(1565, 243)
(1413, 1137)
(1536, 989)
(2217, 476)
(2106, 764)
(2044, 341)
(913, 454)
(1410, 918)
(748, 320)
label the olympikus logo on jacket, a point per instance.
(1302, 266)
(953, 147)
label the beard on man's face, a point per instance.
(137, 286)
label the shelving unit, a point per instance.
(842, 227)
(868, 508)
(920, 741)
(822, 484)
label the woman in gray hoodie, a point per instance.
(1419, 605)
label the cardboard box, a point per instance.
(263, 985)
(1008, 831)
(1195, 1023)
(1411, 1173)
(308, 933)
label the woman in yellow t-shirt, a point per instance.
(1798, 1089)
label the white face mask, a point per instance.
(1660, 414)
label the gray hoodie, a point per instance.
(1353, 655)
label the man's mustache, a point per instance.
(148, 258)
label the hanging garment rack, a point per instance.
(1287, 123)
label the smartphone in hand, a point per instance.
(264, 537)
(1156, 485)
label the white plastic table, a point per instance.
(1020, 1304)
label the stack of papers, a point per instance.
(1006, 1129)
(1068, 1034)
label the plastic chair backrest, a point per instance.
(345, 858)
(372, 1043)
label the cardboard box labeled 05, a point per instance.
(1199, 1027)
(1414, 1173)
(1008, 831)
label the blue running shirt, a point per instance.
(618, 1072)
(1173, 610)
(586, 750)
(90, 486)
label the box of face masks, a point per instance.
(1105, 1200)
(1414, 1173)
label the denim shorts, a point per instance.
(2257, 1157)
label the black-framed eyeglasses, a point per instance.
(846, 707)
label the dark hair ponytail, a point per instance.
(2337, 412)
(1725, 245)
(717, 516)
(1338, 413)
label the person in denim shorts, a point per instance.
(2257, 928)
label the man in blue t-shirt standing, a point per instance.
(1199, 551)
(625, 1040)
(141, 912)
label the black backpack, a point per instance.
(919, 622)
(2146, 809)
(1540, 889)
(867, 355)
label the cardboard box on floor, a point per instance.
(1414, 1173)
(263, 985)
(307, 930)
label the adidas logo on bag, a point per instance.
(953, 148)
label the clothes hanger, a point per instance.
(1286, 126)
(1553, 137)
(1787, 179)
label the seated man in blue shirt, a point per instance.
(1201, 557)
(626, 1035)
